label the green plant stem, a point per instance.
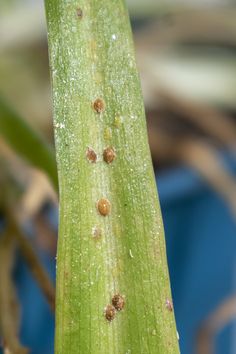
(26, 142)
(92, 57)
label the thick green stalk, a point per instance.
(27, 142)
(111, 234)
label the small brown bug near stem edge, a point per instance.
(169, 305)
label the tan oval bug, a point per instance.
(99, 105)
(110, 312)
(104, 206)
(109, 155)
(118, 302)
(91, 155)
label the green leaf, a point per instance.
(26, 142)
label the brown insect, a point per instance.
(169, 305)
(91, 155)
(79, 12)
(110, 312)
(104, 207)
(99, 105)
(109, 155)
(118, 302)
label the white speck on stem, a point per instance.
(60, 125)
(177, 333)
(113, 37)
(131, 254)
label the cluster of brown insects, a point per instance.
(117, 304)
(104, 209)
(109, 154)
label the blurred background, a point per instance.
(186, 53)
